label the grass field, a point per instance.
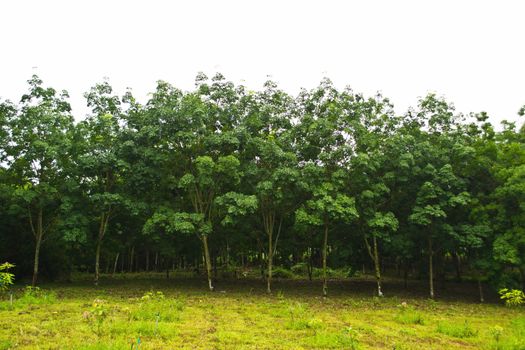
(181, 314)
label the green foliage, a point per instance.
(155, 307)
(259, 177)
(96, 316)
(281, 272)
(512, 297)
(31, 296)
(408, 315)
(6, 278)
(462, 330)
(347, 339)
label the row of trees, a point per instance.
(227, 176)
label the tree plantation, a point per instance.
(224, 181)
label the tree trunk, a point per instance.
(97, 261)
(131, 254)
(405, 276)
(39, 234)
(270, 261)
(310, 266)
(101, 232)
(430, 267)
(325, 248)
(480, 288)
(147, 260)
(37, 257)
(115, 264)
(207, 260)
(458, 266)
(522, 277)
(378, 271)
(156, 261)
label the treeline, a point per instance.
(223, 176)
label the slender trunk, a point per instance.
(39, 234)
(227, 253)
(37, 256)
(522, 277)
(97, 261)
(458, 267)
(270, 260)
(147, 260)
(376, 264)
(430, 267)
(115, 264)
(131, 255)
(310, 264)
(101, 232)
(156, 261)
(480, 288)
(325, 248)
(215, 263)
(207, 260)
(405, 276)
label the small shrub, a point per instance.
(152, 296)
(456, 330)
(512, 297)
(297, 313)
(331, 273)
(408, 315)
(496, 333)
(6, 278)
(280, 272)
(36, 296)
(511, 338)
(432, 304)
(155, 307)
(97, 315)
(300, 269)
(347, 339)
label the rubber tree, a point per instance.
(508, 211)
(270, 163)
(327, 206)
(100, 166)
(38, 153)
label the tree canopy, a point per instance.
(223, 177)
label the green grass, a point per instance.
(239, 315)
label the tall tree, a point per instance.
(41, 131)
(100, 166)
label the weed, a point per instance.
(496, 333)
(456, 330)
(408, 315)
(155, 307)
(97, 315)
(346, 339)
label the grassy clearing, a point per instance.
(181, 314)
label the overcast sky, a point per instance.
(471, 52)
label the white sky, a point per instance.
(472, 52)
